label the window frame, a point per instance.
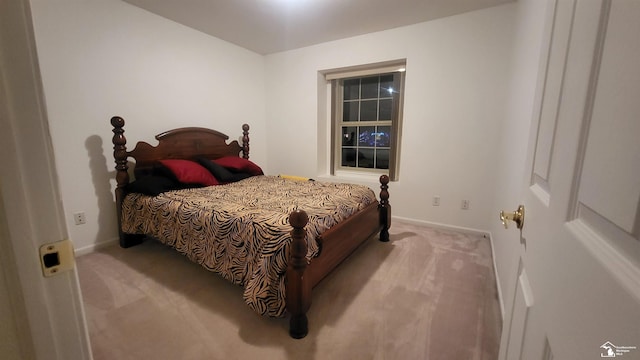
(397, 69)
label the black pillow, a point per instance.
(239, 176)
(152, 185)
(220, 172)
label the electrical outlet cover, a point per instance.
(79, 218)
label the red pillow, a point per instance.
(190, 172)
(239, 164)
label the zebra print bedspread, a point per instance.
(241, 230)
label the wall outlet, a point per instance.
(465, 205)
(79, 218)
(436, 201)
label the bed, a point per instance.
(277, 237)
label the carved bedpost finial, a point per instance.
(385, 208)
(120, 151)
(384, 193)
(245, 141)
(122, 175)
(298, 287)
(298, 219)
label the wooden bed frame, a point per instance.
(336, 243)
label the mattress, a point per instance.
(241, 230)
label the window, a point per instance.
(366, 121)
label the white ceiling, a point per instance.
(269, 26)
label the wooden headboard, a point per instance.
(182, 143)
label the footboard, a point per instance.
(337, 244)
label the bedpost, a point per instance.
(298, 287)
(245, 141)
(385, 208)
(122, 177)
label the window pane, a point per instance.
(365, 158)
(366, 137)
(370, 87)
(383, 136)
(350, 111)
(363, 129)
(382, 159)
(386, 85)
(369, 110)
(349, 135)
(386, 105)
(351, 89)
(348, 157)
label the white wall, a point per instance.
(455, 94)
(105, 57)
(527, 42)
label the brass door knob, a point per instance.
(516, 216)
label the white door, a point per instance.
(578, 290)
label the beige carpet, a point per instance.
(427, 294)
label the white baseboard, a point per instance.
(443, 226)
(495, 271)
(95, 247)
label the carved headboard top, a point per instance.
(181, 143)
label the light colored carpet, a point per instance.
(427, 294)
